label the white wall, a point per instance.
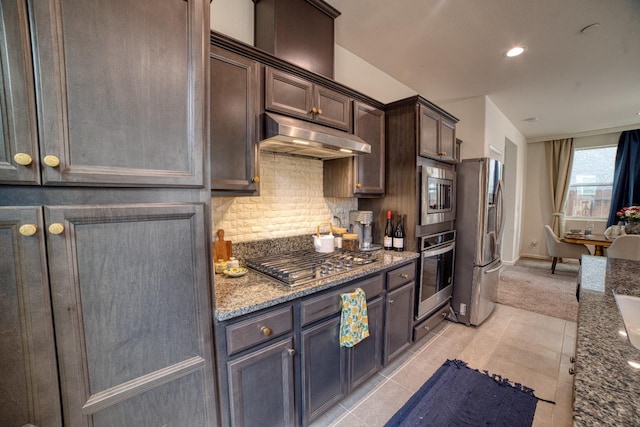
(471, 128)
(354, 72)
(537, 203)
(233, 18)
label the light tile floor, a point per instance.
(525, 347)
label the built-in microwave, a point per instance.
(437, 193)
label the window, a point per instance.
(591, 181)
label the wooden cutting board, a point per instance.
(222, 248)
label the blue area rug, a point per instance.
(457, 395)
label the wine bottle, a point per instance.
(398, 236)
(388, 234)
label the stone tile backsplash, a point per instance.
(291, 203)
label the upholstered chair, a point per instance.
(559, 249)
(625, 247)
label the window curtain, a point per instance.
(626, 175)
(559, 154)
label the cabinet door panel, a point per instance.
(399, 315)
(335, 107)
(131, 304)
(370, 168)
(28, 371)
(448, 140)
(287, 94)
(234, 117)
(366, 356)
(324, 368)
(261, 387)
(17, 100)
(121, 91)
(429, 133)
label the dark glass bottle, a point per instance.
(398, 236)
(388, 234)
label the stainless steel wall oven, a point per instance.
(437, 255)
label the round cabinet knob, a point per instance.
(404, 276)
(265, 331)
(319, 110)
(571, 371)
(23, 159)
(255, 179)
(28, 229)
(314, 110)
(359, 185)
(444, 153)
(51, 161)
(291, 352)
(56, 228)
(390, 301)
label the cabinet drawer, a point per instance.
(401, 275)
(330, 303)
(422, 329)
(250, 332)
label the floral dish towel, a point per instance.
(354, 323)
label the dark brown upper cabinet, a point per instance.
(298, 31)
(437, 136)
(19, 156)
(294, 96)
(362, 175)
(235, 107)
(120, 92)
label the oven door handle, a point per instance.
(438, 251)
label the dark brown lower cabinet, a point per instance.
(366, 356)
(331, 372)
(284, 365)
(324, 368)
(261, 386)
(398, 321)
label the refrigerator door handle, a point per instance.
(493, 270)
(501, 201)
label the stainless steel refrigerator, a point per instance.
(479, 225)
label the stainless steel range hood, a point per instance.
(299, 138)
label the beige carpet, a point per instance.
(529, 285)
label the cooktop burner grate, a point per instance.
(299, 268)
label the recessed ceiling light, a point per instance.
(531, 119)
(515, 51)
(590, 28)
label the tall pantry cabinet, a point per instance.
(104, 214)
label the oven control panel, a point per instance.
(433, 240)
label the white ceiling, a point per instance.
(450, 50)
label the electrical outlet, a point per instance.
(463, 309)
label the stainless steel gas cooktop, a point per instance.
(299, 268)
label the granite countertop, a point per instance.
(606, 386)
(236, 296)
